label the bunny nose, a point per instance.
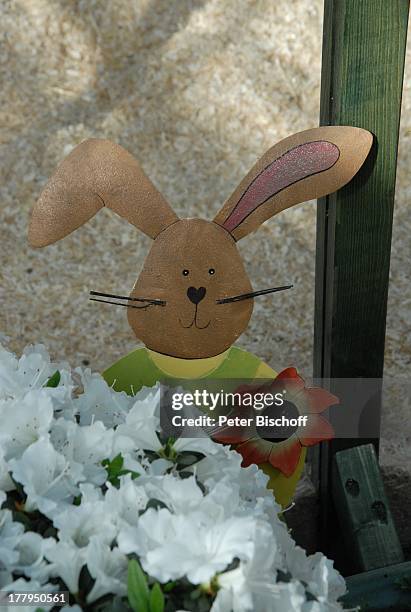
(196, 295)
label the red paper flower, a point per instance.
(283, 454)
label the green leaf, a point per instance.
(114, 469)
(77, 500)
(54, 380)
(137, 588)
(167, 451)
(169, 443)
(134, 475)
(117, 463)
(156, 599)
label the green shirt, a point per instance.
(140, 369)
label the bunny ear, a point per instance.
(97, 173)
(307, 165)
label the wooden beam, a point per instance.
(387, 589)
(362, 73)
(363, 510)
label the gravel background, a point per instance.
(197, 90)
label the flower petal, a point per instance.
(316, 430)
(255, 450)
(291, 374)
(291, 379)
(320, 399)
(285, 455)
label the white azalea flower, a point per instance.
(31, 371)
(10, 536)
(148, 398)
(125, 503)
(24, 421)
(199, 445)
(179, 495)
(84, 447)
(17, 376)
(99, 402)
(6, 577)
(109, 569)
(256, 497)
(288, 596)
(66, 561)
(252, 580)
(47, 478)
(141, 425)
(32, 548)
(138, 462)
(193, 545)
(159, 467)
(251, 481)
(221, 524)
(226, 462)
(90, 494)
(78, 524)
(223, 500)
(6, 483)
(325, 583)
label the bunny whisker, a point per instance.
(252, 294)
(144, 307)
(131, 299)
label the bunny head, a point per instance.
(191, 297)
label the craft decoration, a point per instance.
(193, 298)
(282, 459)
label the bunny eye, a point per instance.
(211, 271)
(186, 272)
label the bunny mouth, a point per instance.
(194, 322)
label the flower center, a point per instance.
(286, 417)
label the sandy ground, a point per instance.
(197, 90)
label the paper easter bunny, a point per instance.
(193, 297)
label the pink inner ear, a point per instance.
(295, 165)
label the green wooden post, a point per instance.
(382, 590)
(362, 73)
(363, 509)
